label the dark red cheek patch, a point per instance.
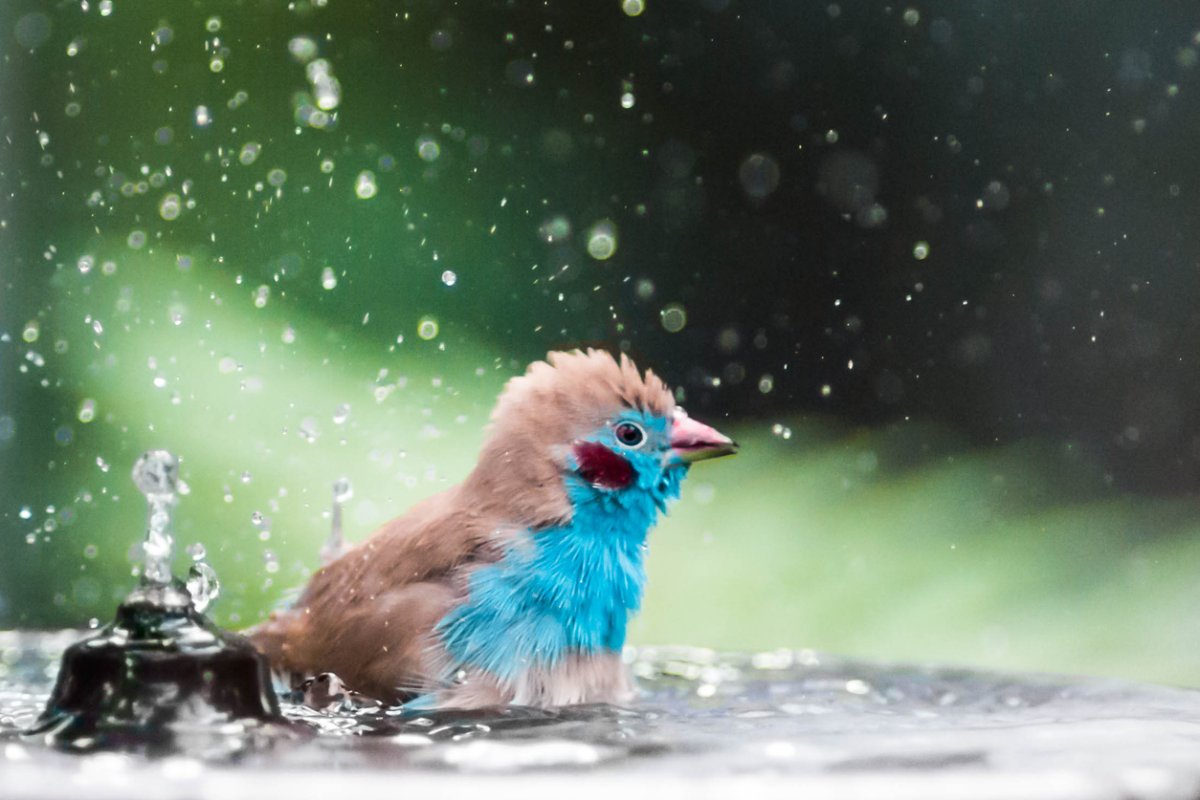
(602, 467)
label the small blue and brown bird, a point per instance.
(516, 585)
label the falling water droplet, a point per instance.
(341, 413)
(170, 207)
(328, 279)
(428, 149)
(336, 544)
(249, 154)
(602, 240)
(427, 328)
(674, 318)
(449, 277)
(364, 185)
(87, 410)
(633, 8)
(202, 585)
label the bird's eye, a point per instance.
(630, 434)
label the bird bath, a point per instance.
(706, 724)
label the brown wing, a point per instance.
(368, 615)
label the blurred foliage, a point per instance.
(194, 254)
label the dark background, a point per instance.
(962, 227)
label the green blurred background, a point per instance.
(295, 242)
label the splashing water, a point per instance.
(202, 585)
(156, 475)
(336, 544)
(704, 725)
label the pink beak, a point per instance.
(694, 441)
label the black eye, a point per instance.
(629, 434)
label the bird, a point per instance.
(515, 586)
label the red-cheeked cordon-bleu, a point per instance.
(516, 585)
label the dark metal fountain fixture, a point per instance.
(161, 674)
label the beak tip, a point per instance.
(694, 441)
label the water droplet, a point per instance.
(156, 475)
(759, 176)
(196, 551)
(555, 229)
(136, 240)
(25, 513)
(428, 148)
(326, 88)
(342, 490)
(427, 328)
(202, 585)
(270, 562)
(85, 264)
(203, 117)
(449, 277)
(249, 153)
(633, 8)
(87, 410)
(602, 240)
(911, 17)
(170, 207)
(277, 177)
(106, 8)
(341, 414)
(826, 390)
(302, 48)
(328, 279)
(766, 383)
(308, 430)
(327, 165)
(674, 318)
(216, 64)
(921, 251)
(213, 24)
(364, 185)
(627, 100)
(31, 331)
(261, 295)
(781, 431)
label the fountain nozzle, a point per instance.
(161, 670)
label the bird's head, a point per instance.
(585, 422)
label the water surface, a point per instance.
(707, 724)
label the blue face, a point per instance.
(630, 454)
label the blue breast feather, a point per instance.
(566, 589)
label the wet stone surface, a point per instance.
(706, 725)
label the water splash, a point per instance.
(202, 585)
(336, 544)
(156, 475)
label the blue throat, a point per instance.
(566, 589)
